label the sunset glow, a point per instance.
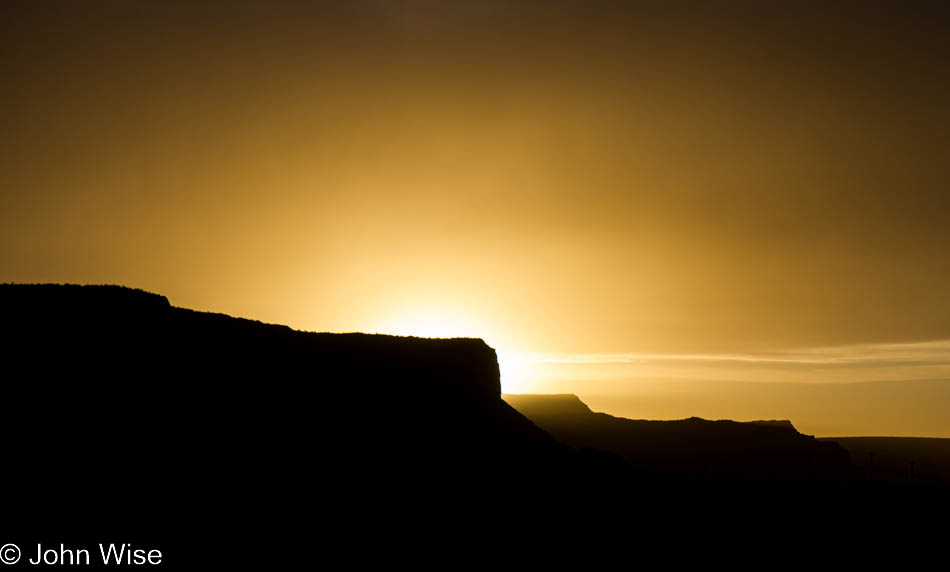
(431, 323)
(735, 180)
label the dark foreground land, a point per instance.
(759, 451)
(898, 459)
(236, 444)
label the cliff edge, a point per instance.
(138, 399)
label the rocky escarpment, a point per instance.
(694, 446)
(143, 400)
(105, 327)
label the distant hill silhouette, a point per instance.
(758, 449)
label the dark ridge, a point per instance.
(123, 366)
(549, 404)
(694, 446)
(782, 423)
(76, 299)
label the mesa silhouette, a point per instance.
(769, 450)
(122, 367)
(126, 413)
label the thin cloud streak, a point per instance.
(619, 373)
(922, 353)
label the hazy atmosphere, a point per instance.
(667, 208)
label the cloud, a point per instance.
(828, 364)
(922, 353)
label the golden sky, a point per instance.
(560, 176)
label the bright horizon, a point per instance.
(897, 390)
(878, 389)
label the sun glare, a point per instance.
(517, 373)
(516, 368)
(432, 323)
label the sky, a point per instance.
(560, 178)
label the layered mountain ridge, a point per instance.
(771, 449)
